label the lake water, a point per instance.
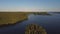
(51, 23)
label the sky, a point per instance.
(29, 5)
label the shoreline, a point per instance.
(10, 18)
(6, 25)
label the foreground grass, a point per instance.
(34, 28)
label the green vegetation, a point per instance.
(34, 28)
(11, 17)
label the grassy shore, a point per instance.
(13, 17)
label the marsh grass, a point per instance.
(11, 17)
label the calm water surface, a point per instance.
(50, 23)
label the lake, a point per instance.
(51, 23)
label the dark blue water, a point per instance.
(50, 22)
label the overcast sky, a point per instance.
(29, 5)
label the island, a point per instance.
(41, 13)
(56, 12)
